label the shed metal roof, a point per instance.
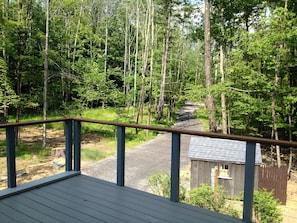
(213, 149)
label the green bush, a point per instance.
(160, 185)
(266, 207)
(205, 196)
(211, 198)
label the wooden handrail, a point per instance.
(163, 129)
(37, 122)
(194, 132)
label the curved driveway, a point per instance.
(147, 158)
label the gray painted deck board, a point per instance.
(37, 205)
(93, 201)
(26, 209)
(86, 199)
(6, 219)
(16, 214)
(59, 204)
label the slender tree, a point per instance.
(126, 88)
(166, 42)
(145, 56)
(20, 62)
(207, 64)
(152, 53)
(136, 53)
(45, 77)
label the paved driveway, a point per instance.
(147, 158)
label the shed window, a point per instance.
(224, 170)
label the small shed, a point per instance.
(220, 162)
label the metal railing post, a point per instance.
(249, 178)
(77, 145)
(68, 144)
(120, 155)
(175, 167)
(10, 157)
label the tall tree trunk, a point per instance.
(207, 64)
(127, 61)
(126, 55)
(151, 65)
(76, 34)
(45, 77)
(164, 68)
(5, 58)
(291, 149)
(273, 109)
(68, 83)
(223, 96)
(65, 81)
(146, 37)
(136, 54)
(180, 77)
(19, 65)
(105, 55)
(290, 128)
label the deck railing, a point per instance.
(73, 162)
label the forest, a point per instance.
(236, 57)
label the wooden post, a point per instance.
(10, 157)
(77, 145)
(121, 156)
(175, 166)
(249, 178)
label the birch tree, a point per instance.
(45, 77)
(145, 33)
(166, 41)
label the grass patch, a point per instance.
(107, 114)
(93, 154)
(133, 140)
(26, 152)
(202, 116)
(106, 131)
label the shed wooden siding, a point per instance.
(201, 174)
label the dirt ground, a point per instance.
(290, 209)
(30, 169)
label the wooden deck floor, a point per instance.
(86, 199)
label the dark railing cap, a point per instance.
(37, 122)
(163, 129)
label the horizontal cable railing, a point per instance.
(73, 146)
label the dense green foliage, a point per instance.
(211, 198)
(208, 197)
(266, 207)
(159, 183)
(149, 54)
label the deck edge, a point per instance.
(37, 183)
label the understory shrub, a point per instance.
(160, 185)
(266, 207)
(211, 198)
